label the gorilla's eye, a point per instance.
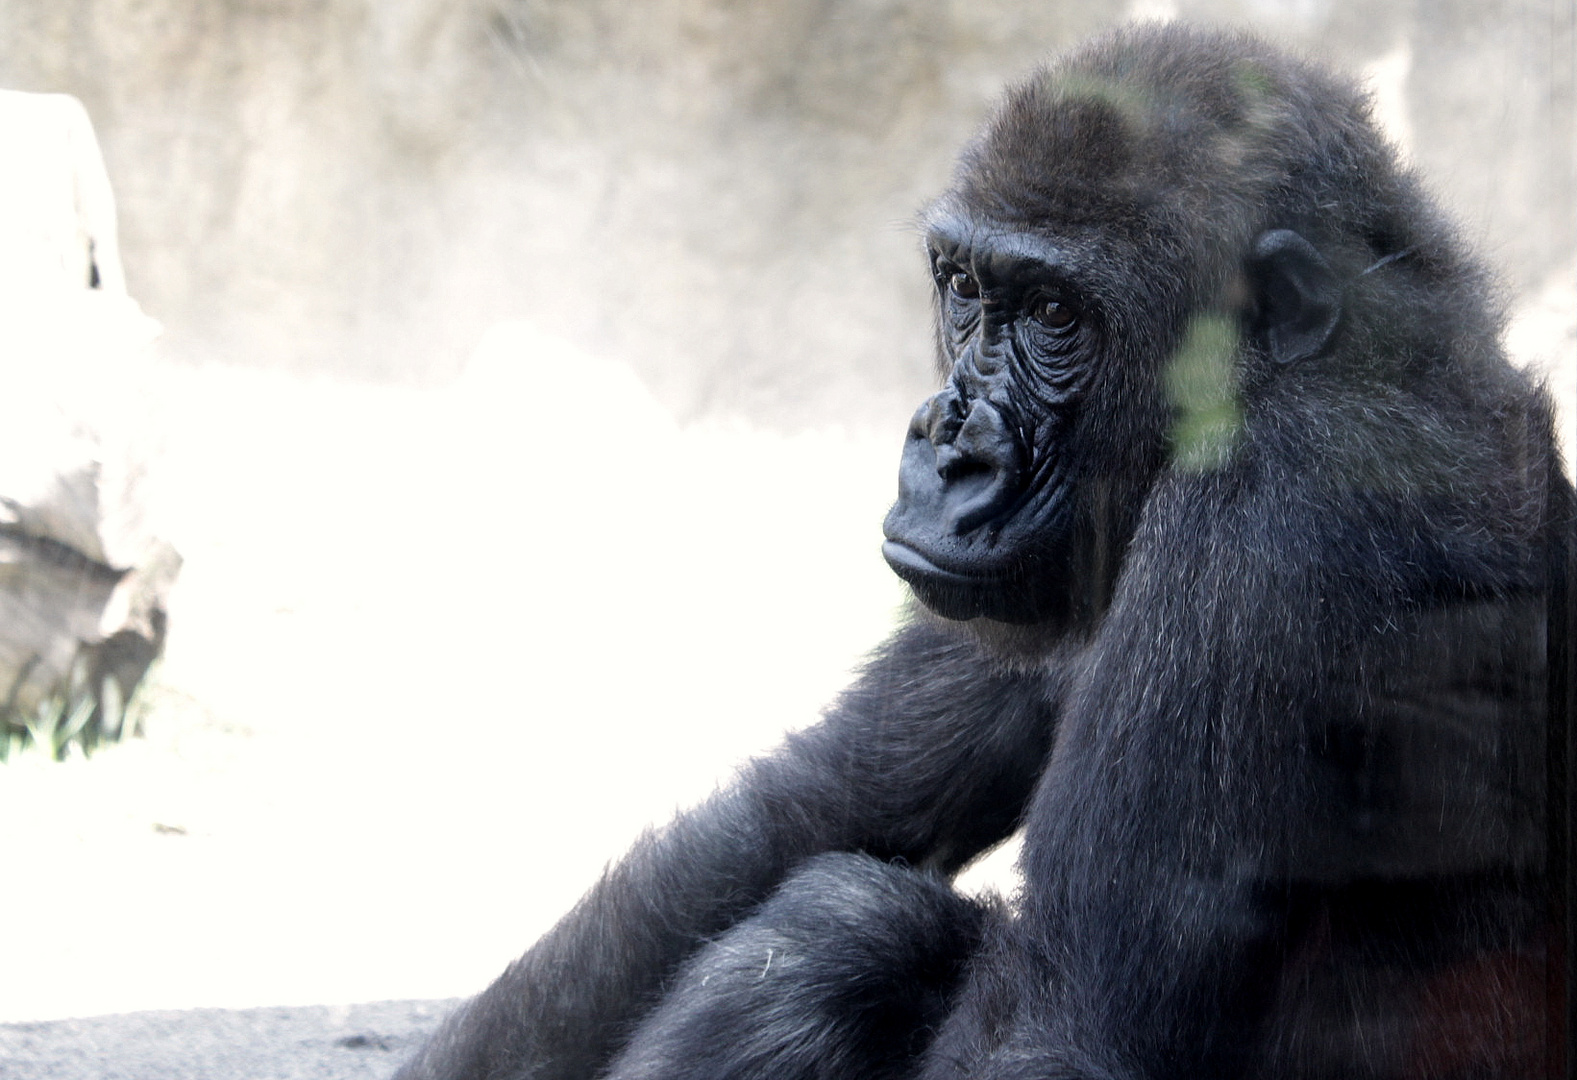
(963, 285)
(1053, 314)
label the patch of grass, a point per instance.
(79, 717)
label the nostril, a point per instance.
(980, 467)
(953, 465)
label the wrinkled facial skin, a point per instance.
(988, 521)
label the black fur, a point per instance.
(845, 971)
(1237, 535)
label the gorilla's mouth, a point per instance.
(949, 593)
(909, 563)
(1003, 576)
(905, 560)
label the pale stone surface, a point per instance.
(356, 1042)
(57, 213)
(79, 563)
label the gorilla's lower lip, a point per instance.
(901, 557)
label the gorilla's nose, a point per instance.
(976, 457)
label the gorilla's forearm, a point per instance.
(559, 1011)
(931, 771)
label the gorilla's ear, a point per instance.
(1298, 295)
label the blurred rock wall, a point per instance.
(717, 192)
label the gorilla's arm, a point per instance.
(929, 757)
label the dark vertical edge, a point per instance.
(1561, 658)
(1561, 36)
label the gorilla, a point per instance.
(1239, 550)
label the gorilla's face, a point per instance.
(1057, 295)
(988, 520)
